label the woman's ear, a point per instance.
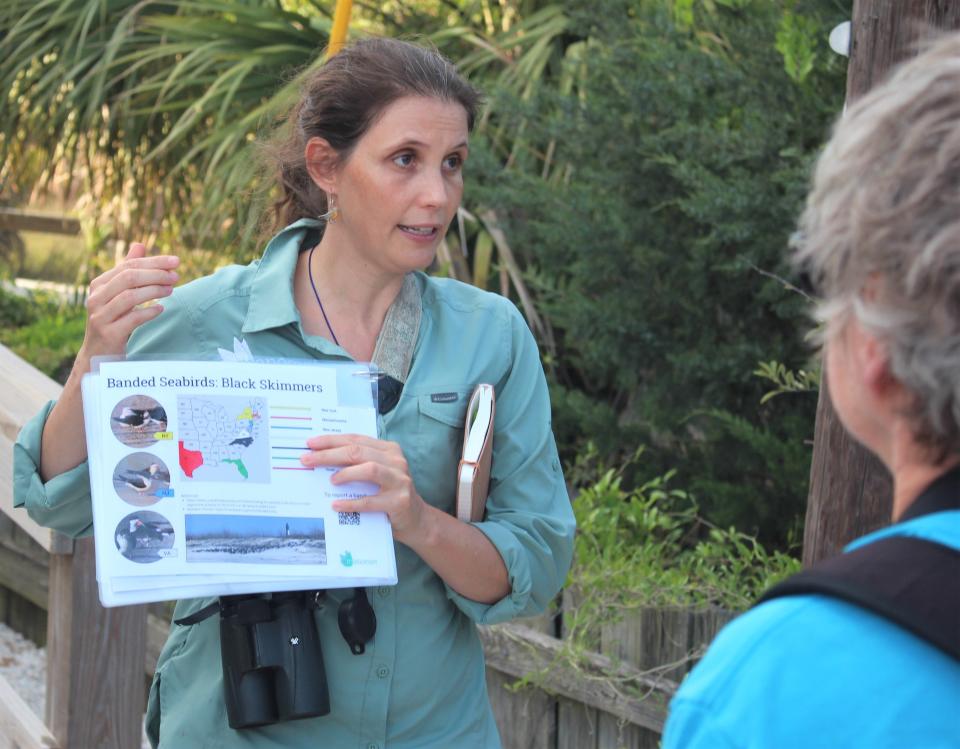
(876, 373)
(321, 162)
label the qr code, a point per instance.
(348, 518)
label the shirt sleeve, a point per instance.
(529, 518)
(63, 503)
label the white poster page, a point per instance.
(197, 481)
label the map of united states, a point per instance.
(223, 438)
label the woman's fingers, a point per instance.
(135, 318)
(127, 299)
(138, 272)
(348, 454)
(162, 262)
(115, 299)
(361, 504)
(330, 441)
(137, 249)
(382, 464)
(371, 473)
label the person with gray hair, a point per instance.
(863, 650)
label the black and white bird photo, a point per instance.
(141, 479)
(136, 419)
(141, 536)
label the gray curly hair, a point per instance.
(885, 210)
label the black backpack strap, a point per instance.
(910, 581)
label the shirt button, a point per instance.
(383, 591)
(383, 672)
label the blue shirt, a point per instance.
(421, 682)
(813, 671)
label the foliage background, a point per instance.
(686, 177)
(637, 175)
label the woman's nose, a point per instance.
(434, 191)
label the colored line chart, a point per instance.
(289, 428)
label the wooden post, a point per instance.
(886, 32)
(95, 689)
(850, 490)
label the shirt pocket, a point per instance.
(440, 443)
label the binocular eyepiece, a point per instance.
(272, 661)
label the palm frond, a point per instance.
(164, 93)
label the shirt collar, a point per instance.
(271, 293)
(942, 494)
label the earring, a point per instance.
(333, 212)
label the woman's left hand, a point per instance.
(379, 462)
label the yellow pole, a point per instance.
(341, 22)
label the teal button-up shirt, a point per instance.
(420, 684)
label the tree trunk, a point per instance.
(886, 32)
(850, 490)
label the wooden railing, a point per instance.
(95, 686)
(20, 219)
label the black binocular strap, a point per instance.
(910, 581)
(198, 616)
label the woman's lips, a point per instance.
(419, 233)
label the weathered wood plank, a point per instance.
(20, 728)
(704, 626)
(23, 576)
(24, 617)
(526, 718)
(576, 723)
(646, 638)
(43, 536)
(27, 390)
(30, 390)
(16, 539)
(19, 219)
(519, 651)
(84, 639)
(23, 582)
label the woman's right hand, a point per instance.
(113, 313)
(113, 303)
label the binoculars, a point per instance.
(272, 661)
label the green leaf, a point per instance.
(797, 43)
(482, 254)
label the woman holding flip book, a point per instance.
(370, 175)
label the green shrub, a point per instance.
(42, 331)
(654, 242)
(16, 310)
(650, 546)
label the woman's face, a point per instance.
(400, 187)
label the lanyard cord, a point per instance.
(317, 295)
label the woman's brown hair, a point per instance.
(342, 99)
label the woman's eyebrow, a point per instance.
(414, 143)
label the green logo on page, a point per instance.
(347, 560)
